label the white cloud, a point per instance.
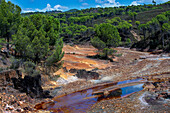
(138, 2)
(47, 8)
(111, 1)
(100, 1)
(134, 3)
(27, 10)
(108, 3)
(85, 4)
(114, 3)
(98, 6)
(59, 7)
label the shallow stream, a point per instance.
(83, 100)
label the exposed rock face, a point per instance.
(5, 76)
(31, 86)
(87, 74)
(73, 70)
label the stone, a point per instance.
(25, 108)
(39, 106)
(149, 86)
(73, 70)
(11, 108)
(88, 75)
(106, 93)
(46, 105)
(31, 86)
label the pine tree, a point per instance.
(97, 43)
(166, 34)
(34, 36)
(9, 19)
(107, 36)
(57, 54)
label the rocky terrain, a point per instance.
(128, 64)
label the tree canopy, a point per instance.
(108, 34)
(9, 19)
(35, 35)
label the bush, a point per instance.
(30, 69)
(137, 23)
(128, 42)
(97, 43)
(107, 51)
(15, 63)
(2, 41)
(118, 55)
(130, 21)
(57, 54)
(1, 69)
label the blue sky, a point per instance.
(64, 5)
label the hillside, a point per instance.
(78, 26)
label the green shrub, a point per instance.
(2, 41)
(118, 55)
(130, 21)
(1, 69)
(97, 43)
(137, 23)
(107, 51)
(30, 69)
(15, 63)
(128, 42)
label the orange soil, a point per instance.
(76, 58)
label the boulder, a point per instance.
(31, 86)
(88, 75)
(149, 86)
(73, 70)
(47, 104)
(6, 76)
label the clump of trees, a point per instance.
(133, 15)
(2, 41)
(40, 32)
(30, 69)
(76, 24)
(33, 37)
(74, 32)
(137, 23)
(156, 32)
(107, 36)
(9, 19)
(123, 28)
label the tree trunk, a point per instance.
(144, 33)
(163, 45)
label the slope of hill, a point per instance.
(78, 26)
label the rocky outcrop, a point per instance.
(88, 75)
(73, 70)
(31, 86)
(6, 76)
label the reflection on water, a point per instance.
(130, 81)
(83, 100)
